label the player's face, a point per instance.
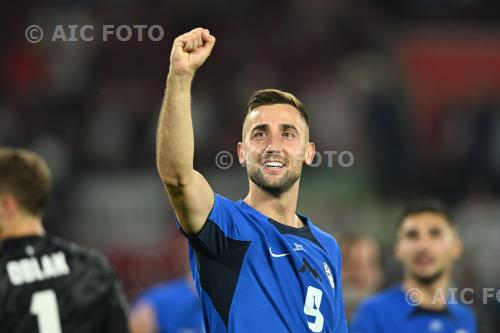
(427, 246)
(275, 145)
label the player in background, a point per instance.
(169, 307)
(362, 269)
(258, 266)
(427, 246)
(48, 285)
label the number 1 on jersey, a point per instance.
(44, 307)
(311, 308)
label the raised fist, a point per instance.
(190, 51)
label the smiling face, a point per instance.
(427, 246)
(274, 147)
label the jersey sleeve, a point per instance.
(341, 317)
(224, 231)
(117, 306)
(364, 319)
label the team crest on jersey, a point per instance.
(329, 274)
(298, 247)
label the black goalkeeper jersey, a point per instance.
(48, 285)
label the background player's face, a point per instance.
(275, 145)
(427, 246)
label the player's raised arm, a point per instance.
(188, 191)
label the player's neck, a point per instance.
(23, 225)
(280, 208)
(431, 296)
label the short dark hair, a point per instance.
(275, 96)
(27, 177)
(426, 206)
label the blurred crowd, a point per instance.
(393, 82)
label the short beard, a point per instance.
(275, 190)
(428, 280)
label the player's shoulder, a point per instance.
(226, 211)
(463, 311)
(170, 293)
(224, 204)
(72, 247)
(222, 200)
(324, 237)
(78, 253)
(383, 299)
(369, 314)
(166, 289)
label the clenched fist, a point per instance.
(190, 51)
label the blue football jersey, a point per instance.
(390, 312)
(254, 274)
(176, 307)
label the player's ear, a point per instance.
(457, 246)
(241, 153)
(9, 206)
(309, 153)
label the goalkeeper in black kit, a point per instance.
(48, 285)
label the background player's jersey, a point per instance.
(256, 275)
(390, 312)
(176, 306)
(48, 285)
